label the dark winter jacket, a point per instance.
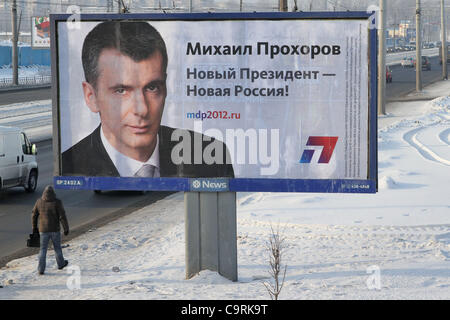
(50, 213)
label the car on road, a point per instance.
(388, 75)
(18, 166)
(440, 54)
(407, 62)
(426, 64)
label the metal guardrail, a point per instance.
(34, 80)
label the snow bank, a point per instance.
(25, 71)
(34, 117)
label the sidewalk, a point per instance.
(413, 104)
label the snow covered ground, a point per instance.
(391, 245)
(28, 75)
(34, 117)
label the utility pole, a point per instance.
(283, 5)
(395, 21)
(418, 49)
(15, 53)
(394, 37)
(190, 6)
(240, 5)
(382, 59)
(444, 43)
(124, 8)
(110, 6)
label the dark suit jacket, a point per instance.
(89, 158)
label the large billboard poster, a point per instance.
(40, 32)
(252, 102)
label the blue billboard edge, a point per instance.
(216, 184)
(238, 184)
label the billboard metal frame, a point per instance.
(369, 185)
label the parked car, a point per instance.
(407, 62)
(18, 166)
(388, 75)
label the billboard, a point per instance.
(40, 32)
(238, 102)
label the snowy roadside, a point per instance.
(28, 75)
(34, 117)
(336, 243)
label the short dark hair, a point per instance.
(137, 40)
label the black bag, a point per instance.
(34, 240)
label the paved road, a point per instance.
(82, 207)
(404, 79)
(16, 96)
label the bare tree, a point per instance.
(276, 248)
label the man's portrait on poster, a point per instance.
(125, 66)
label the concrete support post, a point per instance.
(444, 48)
(211, 233)
(418, 48)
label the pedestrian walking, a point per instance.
(48, 214)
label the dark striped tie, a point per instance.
(147, 170)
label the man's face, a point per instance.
(130, 98)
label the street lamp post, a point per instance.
(382, 59)
(418, 49)
(444, 43)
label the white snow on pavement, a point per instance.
(28, 75)
(34, 117)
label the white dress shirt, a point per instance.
(126, 166)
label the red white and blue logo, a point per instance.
(328, 144)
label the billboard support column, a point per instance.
(211, 233)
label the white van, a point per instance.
(18, 166)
